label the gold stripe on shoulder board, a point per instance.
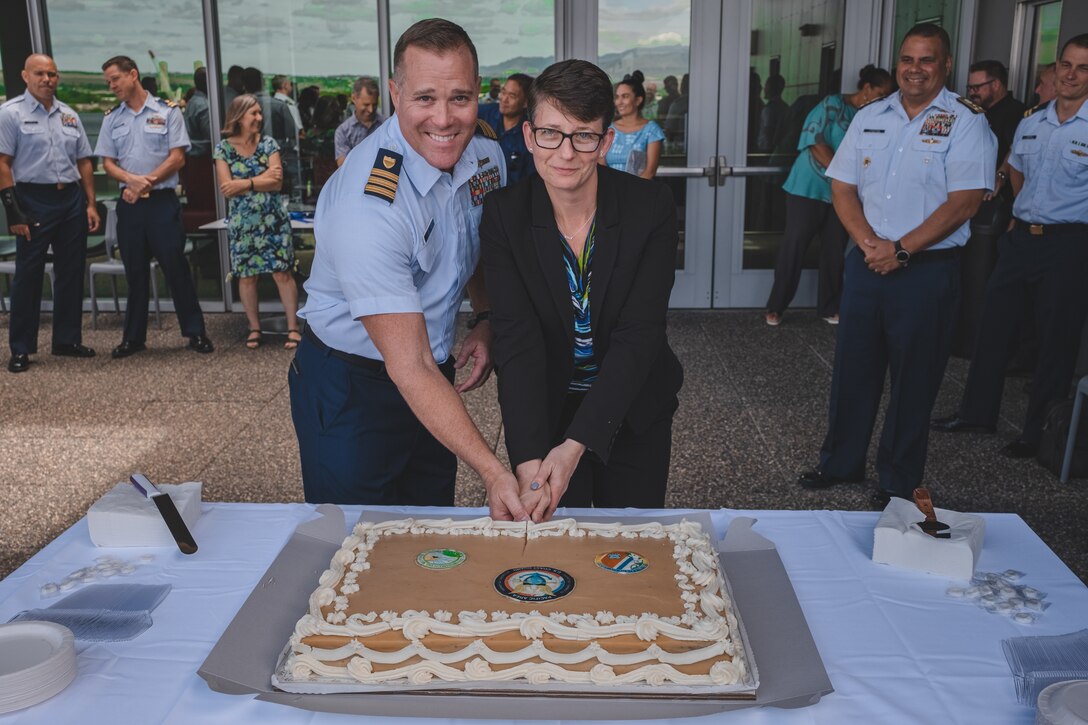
(975, 108)
(385, 176)
(483, 128)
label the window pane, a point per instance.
(1044, 47)
(511, 36)
(655, 38)
(84, 33)
(796, 62)
(320, 49)
(943, 13)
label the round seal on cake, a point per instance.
(534, 583)
(441, 558)
(621, 562)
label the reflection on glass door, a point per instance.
(655, 39)
(1046, 22)
(795, 61)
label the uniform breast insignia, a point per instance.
(484, 182)
(385, 175)
(483, 128)
(938, 124)
(1078, 148)
(156, 121)
(69, 120)
(1034, 109)
(975, 108)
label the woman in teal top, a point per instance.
(636, 147)
(808, 200)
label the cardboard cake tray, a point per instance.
(775, 636)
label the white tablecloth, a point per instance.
(896, 648)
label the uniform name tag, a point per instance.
(872, 130)
(482, 183)
(938, 124)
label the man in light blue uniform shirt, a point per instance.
(377, 417)
(47, 188)
(1044, 256)
(142, 144)
(906, 180)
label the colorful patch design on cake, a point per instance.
(534, 583)
(440, 559)
(621, 562)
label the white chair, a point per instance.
(1074, 423)
(113, 266)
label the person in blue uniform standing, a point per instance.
(908, 176)
(377, 417)
(1044, 257)
(506, 119)
(47, 188)
(142, 144)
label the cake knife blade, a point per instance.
(168, 510)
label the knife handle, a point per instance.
(924, 503)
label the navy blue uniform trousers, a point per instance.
(904, 323)
(1050, 271)
(152, 228)
(358, 440)
(59, 219)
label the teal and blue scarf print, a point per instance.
(579, 275)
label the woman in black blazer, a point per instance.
(580, 262)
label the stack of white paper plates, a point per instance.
(37, 660)
(1063, 703)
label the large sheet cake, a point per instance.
(592, 605)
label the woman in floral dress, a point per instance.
(250, 176)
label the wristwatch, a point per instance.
(901, 255)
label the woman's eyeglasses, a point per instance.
(585, 142)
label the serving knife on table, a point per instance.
(168, 510)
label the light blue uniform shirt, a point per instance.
(141, 140)
(44, 144)
(904, 169)
(826, 123)
(412, 255)
(1054, 161)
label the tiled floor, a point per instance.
(752, 415)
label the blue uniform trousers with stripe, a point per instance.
(358, 440)
(902, 323)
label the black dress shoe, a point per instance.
(882, 496)
(956, 424)
(73, 350)
(818, 479)
(19, 363)
(127, 348)
(1020, 449)
(201, 344)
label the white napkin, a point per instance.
(899, 542)
(123, 517)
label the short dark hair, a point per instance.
(775, 84)
(365, 83)
(1081, 41)
(123, 63)
(929, 30)
(436, 35)
(252, 80)
(200, 79)
(992, 68)
(524, 82)
(634, 82)
(578, 88)
(874, 77)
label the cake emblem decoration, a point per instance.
(534, 583)
(621, 562)
(440, 558)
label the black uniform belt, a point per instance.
(1038, 230)
(156, 192)
(45, 187)
(376, 366)
(935, 255)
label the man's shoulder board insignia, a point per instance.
(171, 102)
(1040, 107)
(111, 110)
(385, 175)
(483, 128)
(870, 102)
(975, 108)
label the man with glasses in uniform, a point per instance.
(1044, 258)
(909, 175)
(47, 188)
(377, 416)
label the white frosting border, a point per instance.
(708, 616)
